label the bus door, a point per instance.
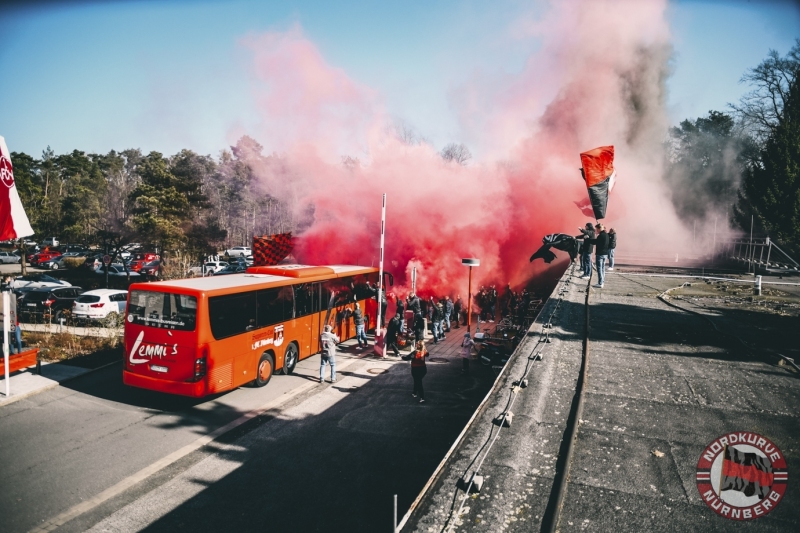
(317, 316)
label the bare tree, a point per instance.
(761, 110)
(456, 152)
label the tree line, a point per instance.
(745, 163)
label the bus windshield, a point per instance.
(163, 310)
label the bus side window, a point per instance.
(233, 314)
(275, 306)
(302, 298)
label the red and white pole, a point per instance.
(380, 345)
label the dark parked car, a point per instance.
(151, 269)
(47, 303)
(231, 269)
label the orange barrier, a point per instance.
(18, 361)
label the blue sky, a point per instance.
(167, 75)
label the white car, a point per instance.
(37, 280)
(116, 270)
(50, 241)
(98, 304)
(210, 267)
(239, 251)
(8, 257)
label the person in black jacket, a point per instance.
(612, 243)
(391, 334)
(587, 233)
(358, 319)
(601, 254)
(419, 327)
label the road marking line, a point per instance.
(148, 471)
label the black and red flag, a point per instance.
(749, 473)
(598, 172)
(559, 241)
(271, 249)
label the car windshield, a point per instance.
(88, 299)
(162, 310)
(152, 263)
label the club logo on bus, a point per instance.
(149, 351)
(268, 337)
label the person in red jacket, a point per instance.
(418, 370)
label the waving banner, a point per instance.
(14, 222)
(598, 172)
(271, 249)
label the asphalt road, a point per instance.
(328, 456)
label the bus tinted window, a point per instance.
(162, 310)
(275, 305)
(307, 299)
(232, 314)
(344, 289)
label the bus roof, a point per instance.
(277, 275)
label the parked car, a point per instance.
(9, 257)
(145, 256)
(116, 269)
(47, 303)
(151, 269)
(136, 265)
(210, 267)
(237, 251)
(58, 262)
(37, 258)
(99, 304)
(50, 241)
(37, 280)
(234, 268)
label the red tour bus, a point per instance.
(202, 336)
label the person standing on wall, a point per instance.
(329, 340)
(601, 254)
(418, 370)
(587, 233)
(612, 244)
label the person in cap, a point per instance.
(328, 340)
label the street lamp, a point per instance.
(470, 262)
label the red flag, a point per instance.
(598, 172)
(13, 220)
(271, 249)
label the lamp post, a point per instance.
(470, 262)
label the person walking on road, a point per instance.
(437, 317)
(601, 254)
(418, 370)
(587, 233)
(612, 243)
(448, 311)
(329, 340)
(466, 352)
(358, 319)
(391, 334)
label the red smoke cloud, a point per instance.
(598, 79)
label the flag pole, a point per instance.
(6, 329)
(380, 344)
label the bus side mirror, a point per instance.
(391, 279)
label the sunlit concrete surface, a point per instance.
(662, 385)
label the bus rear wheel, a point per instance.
(264, 371)
(289, 359)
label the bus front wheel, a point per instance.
(264, 370)
(289, 359)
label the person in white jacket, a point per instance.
(328, 340)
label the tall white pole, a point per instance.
(6, 330)
(380, 266)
